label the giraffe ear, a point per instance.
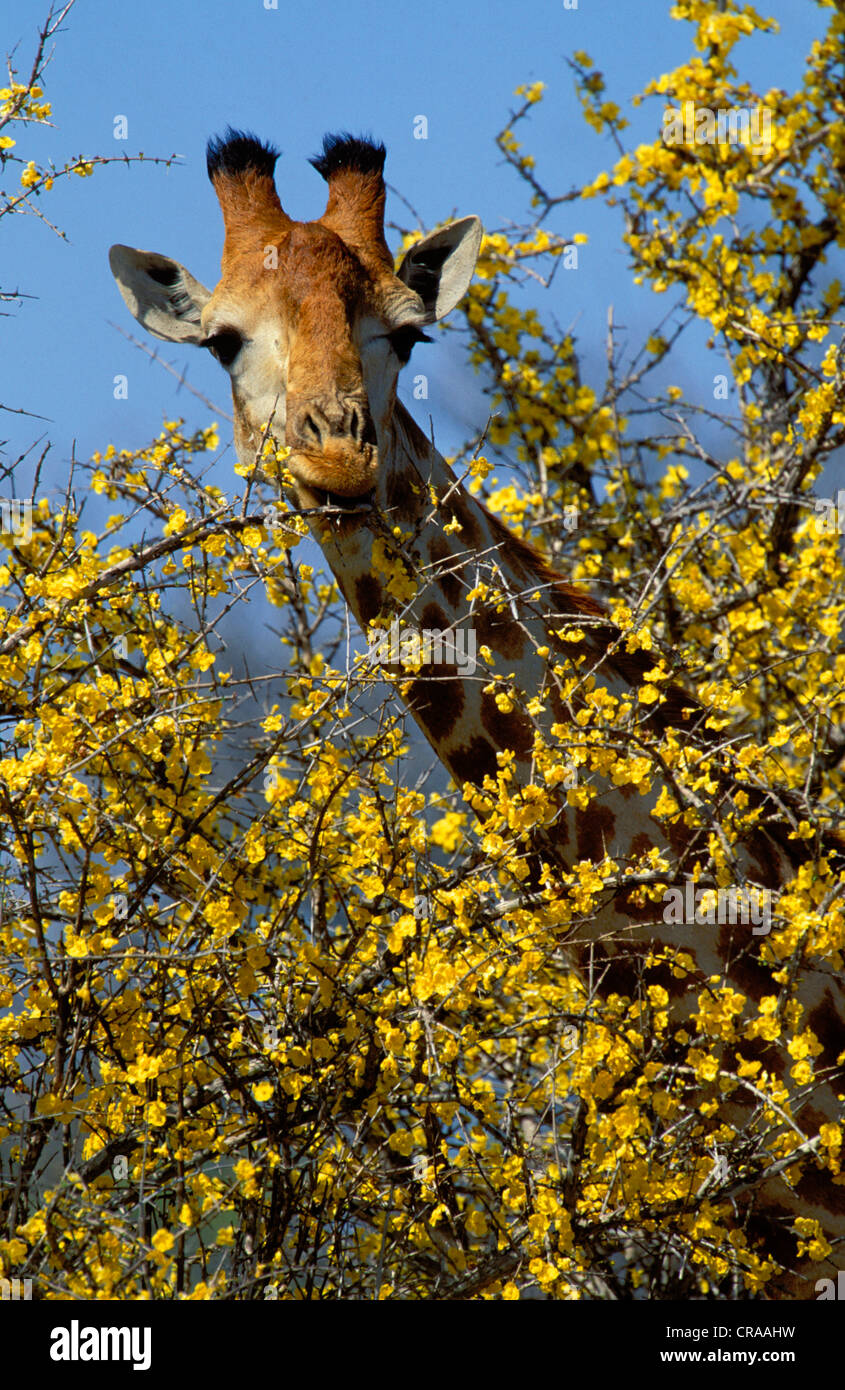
(160, 293)
(439, 268)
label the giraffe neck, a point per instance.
(431, 559)
(453, 568)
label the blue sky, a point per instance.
(182, 70)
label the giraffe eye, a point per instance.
(402, 341)
(224, 345)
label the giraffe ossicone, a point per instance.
(313, 323)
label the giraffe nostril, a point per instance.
(311, 430)
(359, 425)
(320, 423)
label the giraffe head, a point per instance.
(310, 319)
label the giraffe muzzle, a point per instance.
(333, 447)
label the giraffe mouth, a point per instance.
(362, 502)
(345, 472)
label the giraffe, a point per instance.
(313, 323)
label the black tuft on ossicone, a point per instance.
(238, 152)
(361, 155)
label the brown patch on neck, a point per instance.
(444, 562)
(595, 827)
(401, 502)
(498, 631)
(771, 1231)
(819, 1189)
(509, 729)
(618, 972)
(437, 699)
(827, 1023)
(641, 844)
(680, 836)
(456, 509)
(763, 853)
(472, 762)
(742, 967)
(434, 618)
(369, 598)
(756, 1050)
